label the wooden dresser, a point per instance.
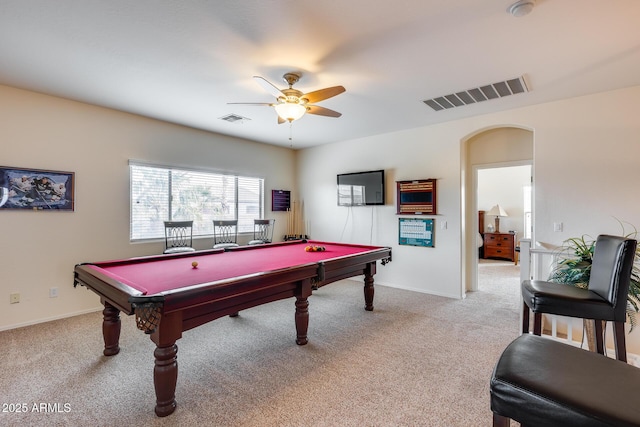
(500, 245)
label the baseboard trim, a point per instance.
(49, 319)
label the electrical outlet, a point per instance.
(53, 292)
(14, 298)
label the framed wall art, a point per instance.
(35, 189)
(280, 200)
(416, 232)
(417, 197)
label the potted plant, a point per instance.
(573, 267)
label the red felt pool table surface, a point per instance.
(156, 276)
(169, 296)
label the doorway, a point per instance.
(509, 187)
(489, 149)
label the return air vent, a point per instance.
(479, 94)
(232, 118)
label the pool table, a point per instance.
(173, 293)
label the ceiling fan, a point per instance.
(291, 104)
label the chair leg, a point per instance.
(525, 318)
(500, 421)
(620, 341)
(599, 336)
(537, 324)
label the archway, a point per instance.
(494, 146)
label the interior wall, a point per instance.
(504, 186)
(505, 144)
(585, 169)
(42, 247)
(404, 156)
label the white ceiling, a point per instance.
(183, 61)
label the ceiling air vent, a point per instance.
(232, 118)
(479, 94)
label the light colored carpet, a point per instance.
(416, 360)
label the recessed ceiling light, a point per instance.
(521, 8)
(233, 118)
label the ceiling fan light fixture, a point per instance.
(291, 104)
(290, 111)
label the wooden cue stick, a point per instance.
(300, 223)
(293, 217)
(296, 220)
(293, 207)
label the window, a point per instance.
(351, 195)
(161, 194)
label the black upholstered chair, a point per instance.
(225, 233)
(178, 237)
(605, 298)
(262, 231)
(542, 382)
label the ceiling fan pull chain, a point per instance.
(291, 133)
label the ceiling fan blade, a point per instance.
(266, 104)
(266, 85)
(322, 94)
(321, 111)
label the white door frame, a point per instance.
(474, 206)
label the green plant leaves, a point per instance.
(574, 268)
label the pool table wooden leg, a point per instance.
(165, 377)
(165, 371)
(303, 292)
(302, 320)
(368, 286)
(110, 329)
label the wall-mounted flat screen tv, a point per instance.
(361, 188)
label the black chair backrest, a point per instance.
(225, 231)
(178, 234)
(611, 271)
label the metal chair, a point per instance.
(178, 237)
(262, 231)
(225, 233)
(605, 298)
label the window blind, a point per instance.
(162, 193)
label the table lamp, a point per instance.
(497, 211)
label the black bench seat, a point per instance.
(541, 382)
